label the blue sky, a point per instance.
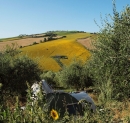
(38, 16)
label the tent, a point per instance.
(62, 102)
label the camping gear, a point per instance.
(61, 101)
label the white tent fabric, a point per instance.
(36, 88)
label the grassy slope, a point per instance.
(10, 39)
(66, 46)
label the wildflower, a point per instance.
(54, 114)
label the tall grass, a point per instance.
(36, 111)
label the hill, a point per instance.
(26, 40)
(71, 44)
(66, 46)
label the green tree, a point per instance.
(44, 39)
(110, 61)
(16, 70)
(74, 75)
(49, 76)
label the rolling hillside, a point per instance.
(67, 46)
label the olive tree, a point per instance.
(110, 61)
(74, 75)
(17, 69)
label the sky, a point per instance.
(39, 16)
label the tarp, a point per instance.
(83, 95)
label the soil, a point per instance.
(24, 42)
(21, 42)
(87, 42)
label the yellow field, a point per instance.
(67, 46)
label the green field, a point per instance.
(10, 39)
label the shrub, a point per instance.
(16, 70)
(50, 38)
(75, 75)
(49, 76)
(45, 40)
(35, 43)
(41, 41)
(64, 36)
(110, 61)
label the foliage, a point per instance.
(34, 43)
(63, 32)
(16, 70)
(36, 111)
(110, 61)
(50, 77)
(41, 41)
(74, 75)
(45, 39)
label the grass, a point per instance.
(66, 46)
(111, 112)
(10, 39)
(62, 33)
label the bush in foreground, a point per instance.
(16, 70)
(110, 61)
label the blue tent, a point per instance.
(62, 102)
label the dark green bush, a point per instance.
(41, 41)
(110, 61)
(20, 46)
(75, 75)
(45, 39)
(35, 43)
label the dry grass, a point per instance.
(87, 42)
(120, 109)
(20, 42)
